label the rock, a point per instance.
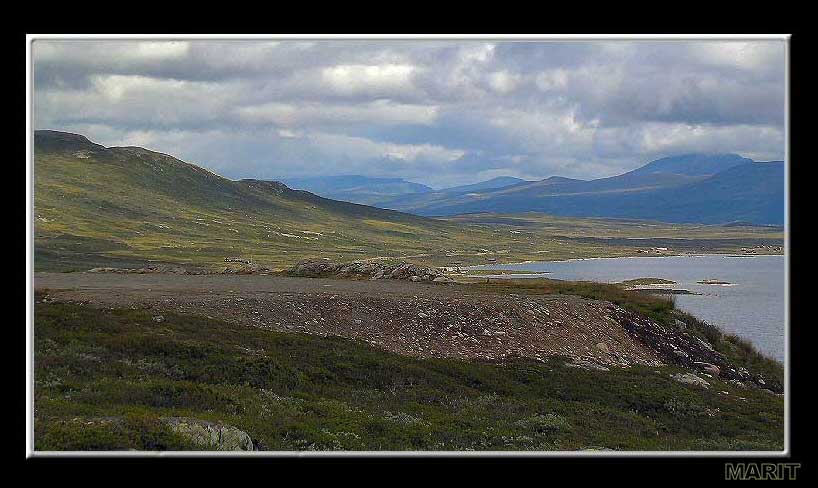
(690, 379)
(709, 367)
(210, 435)
(442, 279)
(705, 344)
(583, 364)
(102, 270)
(364, 269)
(159, 318)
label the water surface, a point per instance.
(753, 307)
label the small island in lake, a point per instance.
(647, 281)
(713, 282)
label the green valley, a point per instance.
(127, 206)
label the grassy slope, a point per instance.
(295, 392)
(98, 206)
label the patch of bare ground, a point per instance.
(424, 320)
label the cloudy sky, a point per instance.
(435, 112)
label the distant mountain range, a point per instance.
(691, 188)
(374, 191)
(356, 188)
(94, 186)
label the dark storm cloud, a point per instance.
(439, 112)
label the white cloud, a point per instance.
(363, 148)
(162, 50)
(289, 134)
(742, 55)
(761, 142)
(375, 112)
(503, 82)
(369, 79)
(552, 79)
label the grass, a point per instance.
(104, 379)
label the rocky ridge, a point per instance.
(368, 270)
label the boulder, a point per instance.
(690, 379)
(588, 365)
(709, 367)
(210, 435)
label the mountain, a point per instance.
(706, 189)
(385, 191)
(117, 206)
(355, 188)
(499, 182)
(693, 164)
(414, 201)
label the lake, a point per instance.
(753, 307)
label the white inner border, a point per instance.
(475, 37)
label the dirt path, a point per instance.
(135, 285)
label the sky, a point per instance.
(438, 112)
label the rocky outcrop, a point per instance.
(368, 270)
(678, 346)
(210, 435)
(246, 268)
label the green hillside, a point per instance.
(105, 381)
(124, 206)
(95, 205)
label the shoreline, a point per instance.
(693, 255)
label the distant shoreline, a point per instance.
(733, 255)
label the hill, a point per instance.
(383, 192)
(494, 183)
(355, 188)
(106, 381)
(693, 164)
(97, 205)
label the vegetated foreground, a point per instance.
(260, 362)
